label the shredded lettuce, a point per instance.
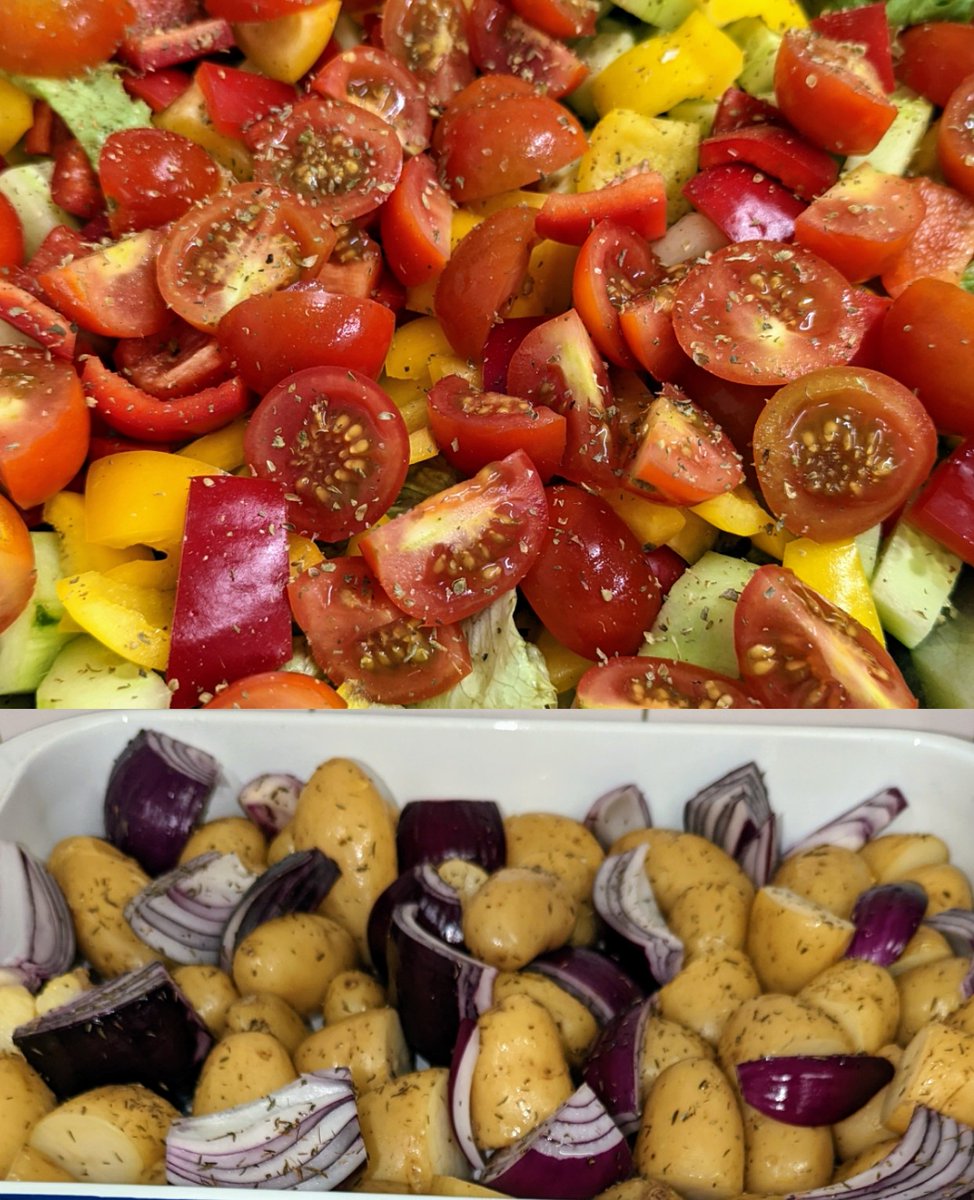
(904, 12)
(93, 105)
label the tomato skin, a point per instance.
(11, 235)
(803, 169)
(474, 428)
(945, 507)
(797, 650)
(452, 555)
(559, 18)
(60, 37)
(17, 573)
(936, 58)
(415, 223)
(235, 100)
(158, 89)
(502, 341)
(638, 202)
(74, 184)
(658, 683)
(430, 37)
(276, 334)
(485, 89)
(380, 83)
(502, 41)
(867, 27)
(44, 425)
(277, 689)
(337, 486)
(745, 205)
(177, 361)
(646, 323)
(590, 584)
(955, 138)
(942, 244)
(253, 10)
(928, 345)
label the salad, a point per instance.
(486, 356)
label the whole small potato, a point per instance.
(784, 1158)
(946, 886)
(665, 1043)
(684, 860)
(711, 913)
(862, 998)
(790, 940)
(240, 1068)
(210, 991)
(295, 957)
(708, 990)
(352, 992)
(828, 875)
(556, 844)
(897, 855)
(577, 1028)
(24, 1099)
(268, 1014)
(229, 835)
(929, 993)
(772, 1025)
(370, 1044)
(518, 914)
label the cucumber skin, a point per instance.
(87, 674)
(944, 660)
(913, 581)
(33, 641)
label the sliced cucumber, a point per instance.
(33, 641)
(597, 53)
(868, 546)
(87, 674)
(914, 578)
(760, 45)
(944, 661)
(665, 14)
(28, 188)
(899, 143)
(696, 622)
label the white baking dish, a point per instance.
(52, 780)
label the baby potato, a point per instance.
(790, 940)
(929, 993)
(691, 1136)
(370, 1044)
(463, 876)
(240, 1068)
(17, 1007)
(61, 989)
(210, 991)
(778, 1025)
(785, 1158)
(342, 813)
(674, 864)
(897, 855)
(408, 1132)
(946, 886)
(652, 836)
(638, 1189)
(665, 1043)
(30, 1166)
(926, 945)
(352, 992)
(268, 1014)
(865, 1128)
(564, 848)
(711, 913)
(828, 875)
(229, 835)
(24, 1099)
(114, 1134)
(577, 1028)
(521, 1075)
(708, 990)
(936, 1070)
(281, 846)
(295, 957)
(861, 997)
(519, 913)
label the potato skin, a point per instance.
(790, 939)
(352, 992)
(897, 855)
(862, 998)
(577, 1028)
(370, 1044)
(708, 990)
(229, 835)
(829, 875)
(937, 1070)
(519, 913)
(776, 1024)
(30, 1166)
(946, 887)
(267, 1014)
(785, 1158)
(673, 864)
(665, 1043)
(24, 1099)
(210, 991)
(565, 848)
(865, 1128)
(929, 993)
(711, 913)
(241, 1067)
(295, 957)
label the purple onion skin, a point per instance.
(886, 917)
(593, 978)
(435, 830)
(403, 890)
(612, 1067)
(811, 1090)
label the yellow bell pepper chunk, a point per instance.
(222, 449)
(139, 498)
(548, 284)
(778, 15)
(66, 512)
(302, 554)
(422, 446)
(16, 115)
(694, 61)
(413, 345)
(695, 538)
(286, 47)
(736, 512)
(409, 396)
(354, 546)
(188, 116)
(441, 365)
(515, 199)
(772, 541)
(565, 667)
(131, 620)
(653, 524)
(161, 574)
(835, 571)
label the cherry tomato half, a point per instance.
(430, 37)
(277, 689)
(11, 235)
(16, 564)
(60, 37)
(415, 224)
(955, 138)
(936, 58)
(658, 683)
(795, 649)
(501, 41)
(177, 361)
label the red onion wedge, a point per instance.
(805, 1089)
(575, 1154)
(886, 917)
(157, 793)
(618, 812)
(602, 986)
(439, 909)
(957, 926)
(623, 898)
(36, 932)
(183, 913)
(933, 1160)
(857, 825)
(303, 1137)
(462, 1067)
(270, 801)
(138, 1028)
(612, 1069)
(298, 883)
(734, 813)
(435, 830)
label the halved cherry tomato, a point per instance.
(867, 28)
(560, 18)
(339, 157)
(798, 650)
(613, 266)
(74, 184)
(277, 689)
(452, 555)
(739, 110)
(646, 323)
(473, 428)
(374, 80)
(430, 37)
(482, 277)
(683, 454)
(60, 37)
(863, 223)
(658, 683)
(955, 138)
(253, 239)
(44, 424)
(177, 361)
(501, 41)
(273, 335)
(945, 507)
(503, 339)
(11, 235)
(17, 573)
(357, 634)
(415, 224)
(590, 584)
(936, 58)
(152, 176)
(337, 443)
(942, 244)
(841, 449)
(235, 100)
(253, 10)
(734, 406)
(763, 312)
(802, 168)
(639, 202)
(831, 93)
(354, 266)
(485, 89)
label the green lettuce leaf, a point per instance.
(903, 12)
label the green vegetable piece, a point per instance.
(896, 148)
(760, 45)
(33, 641)
(944, 661)
(87, 674)
(914, 578)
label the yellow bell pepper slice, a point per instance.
(695, 538)
(772, 541)
(778, 15)
(161, 574)
(413, 345)
(302, 554)
(565, 667)
(16, 115)
(695, 61)
(653, 524)
(188, 116)
(139, 498)
(441, 365)
(736, 512)
(66, 512)
(515, 199)
(286, 47)
(422, 446)
(835, 571)
(354, 546)
(222, 449)
(131, 620)
(548, 285)
(409, 396)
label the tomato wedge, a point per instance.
(658, 683)
(430, 37)
(177, 361)
(415, 224)
(452, 555)
(955, 138)
(942, 244)
(502, 41)
(797, 650)
(277, 689)
(16, 564)
(11, 235)
(560, 18)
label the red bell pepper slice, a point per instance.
(744, 205)
(74, 184)
(866, 27)
(136, 414)
(236, 99)
(738, 109)
(61, 244)
(24, 311)
(945, 507)
(168, 47)
(803, 168)
(639, 202)
(231, 616)
(158, 89)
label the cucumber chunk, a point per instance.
(760, 45)
(868, 546)
(33, 641)
(944, 660)
(895, 149)
(87, 674)
(914, 578)
(597, 53)
(28, 188)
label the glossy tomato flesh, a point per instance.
(16, 564)
(277, 689)
(60, 37)
(658, 683)
(153, 176)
